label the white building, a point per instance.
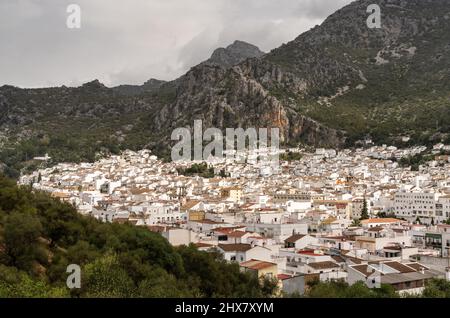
(411, 205)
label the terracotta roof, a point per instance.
(284, 276)
(309, 253)
(417, 266)
(227, 230)
(354, 259)
(323, 265)
(235, 247)
(237, 234)
(363, 269)
(189, 204)
(338, 259)
(376, 229)
(400, 267)
(139, 191)
(257, 265)
(380, 220)
(294, 238)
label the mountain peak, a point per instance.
(95, 84)
(153, 83)
(234, 54)
(242, 45)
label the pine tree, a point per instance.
(364, 211)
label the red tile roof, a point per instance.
(283, 276)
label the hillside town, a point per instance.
(356, 215)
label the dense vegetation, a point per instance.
(340, 289)
(290, 156)
(41, 236)
(198, 169)
(74, 124)
(415, 161)
(435, 288)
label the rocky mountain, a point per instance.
(337, 83)
(233, 54)
(383, 82)
(151, 85)
(333, 85)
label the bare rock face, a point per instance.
(231, 98)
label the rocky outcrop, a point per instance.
(231, 98)
(233, 54)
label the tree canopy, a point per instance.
(40, 236)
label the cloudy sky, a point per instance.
(128, 42)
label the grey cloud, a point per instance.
(123, 42)
(318, 9)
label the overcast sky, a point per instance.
(128, 42)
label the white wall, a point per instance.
(177, 237)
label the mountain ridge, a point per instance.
(333, 86)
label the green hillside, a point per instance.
(40, 237)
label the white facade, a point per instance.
(279, 232)
(178, 237)
(443, 209)
(414, 204)
(164, 213)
